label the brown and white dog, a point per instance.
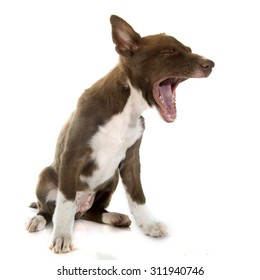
(101, 139)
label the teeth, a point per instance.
(162, 100)
(171, 117)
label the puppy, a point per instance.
(102, 137)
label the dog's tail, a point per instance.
(34, 205)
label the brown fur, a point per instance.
(144, 61)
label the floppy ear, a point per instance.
(124, 36)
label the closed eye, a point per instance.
(167, 51)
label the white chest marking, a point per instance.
(110, 143)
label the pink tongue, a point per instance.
(166, 93)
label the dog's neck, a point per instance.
(137, 101)
(117, 88)
(135, 104)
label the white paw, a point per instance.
(36, 223)
(154, 229)
(62, 244)
(63, 220)
(145, 220)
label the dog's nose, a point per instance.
(207, 64)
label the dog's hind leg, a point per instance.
(46, 193)
(130, 174)
(98, 213)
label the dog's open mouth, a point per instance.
(164, 93)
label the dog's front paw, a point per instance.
(154, 229)
(62, 244)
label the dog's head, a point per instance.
(157, 64)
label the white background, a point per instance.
(200, 174)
